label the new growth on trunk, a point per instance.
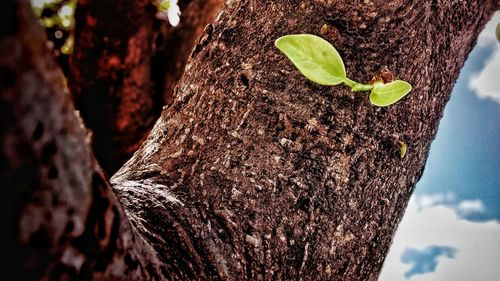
(252, 172)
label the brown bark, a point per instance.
(61, 219)
(252, 173)
(125, 62)
(174, 45)
(111, 76)
(277, 178)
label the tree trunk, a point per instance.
(253, 173)
(61, 219)
(272, 177)
(111, 76)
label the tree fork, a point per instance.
(124, 68)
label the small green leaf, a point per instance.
(498, 32)
(387, 94)
(314, 57)
(403, 149)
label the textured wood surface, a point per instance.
(252, 173)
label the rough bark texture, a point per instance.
(174, 45)
(266, 176)
(253, 173)
(61, 219)
(125, 66)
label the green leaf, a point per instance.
(403, 149)
(387, 94)
(314, 57)
(498, 32)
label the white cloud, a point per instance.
(486, 83)
(477, 244)
(468, 207)
(430, 200)
(461, 208)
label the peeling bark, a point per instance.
(125, 62)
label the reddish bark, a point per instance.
(111, 75)
(61, 219)
(124, 63)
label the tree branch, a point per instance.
(61, 218)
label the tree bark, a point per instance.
(61, 219)
(175, 45)
(273, 177)
(111, 75)
(253, 173)
(124, 67)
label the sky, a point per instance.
(451, 228)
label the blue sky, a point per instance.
(451, 228)
(465, 156)
(426, 260)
